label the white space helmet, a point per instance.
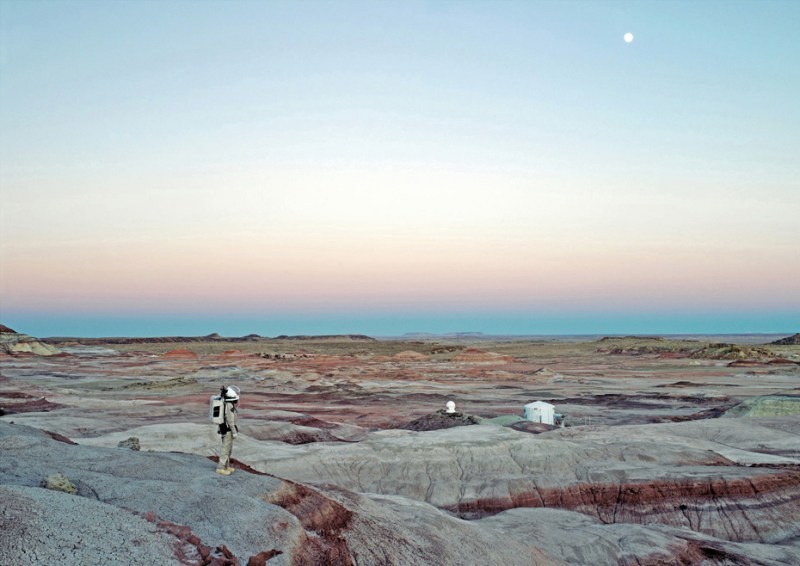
(232, 393)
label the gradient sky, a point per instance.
(388, 167)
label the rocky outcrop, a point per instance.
(14, 343)
(59, 482)
(731, 352)
(439, 420)
(793, 340)
(131, 443)
(447, 349)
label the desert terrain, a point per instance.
(676, 450)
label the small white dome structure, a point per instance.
(540, 412)
(450, 407)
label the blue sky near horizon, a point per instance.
(398, 324)
(391, 167)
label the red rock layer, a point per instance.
(24, 403)
(737, 509)
(323, 519)
(190, 549)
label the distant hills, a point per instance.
(454, 335)
(214, 337)
(793, 340)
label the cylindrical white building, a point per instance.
(540, 412)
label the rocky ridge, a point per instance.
(440, 420)
(638, 346)
(13, 343)
(793, 340)
(215, 337)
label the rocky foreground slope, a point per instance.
(170, 508)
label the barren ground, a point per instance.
(647, 441)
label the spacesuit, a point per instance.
(228, 430)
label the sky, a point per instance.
(390, 167)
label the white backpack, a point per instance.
(217, 409)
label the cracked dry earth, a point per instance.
(660, 463)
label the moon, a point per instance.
(628, 37)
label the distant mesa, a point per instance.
(631, 338)
(214, 337)
(448, 335)
(13, 343)
(793, 340)
(329, 337)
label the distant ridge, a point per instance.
(610, 338)
(329, 337)
(793, 340)
(214, 337)
(451, 335)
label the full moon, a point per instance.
(628, 37)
